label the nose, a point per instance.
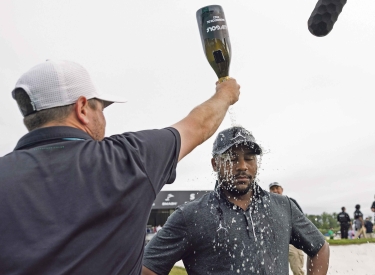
(241, 165)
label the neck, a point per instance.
(70, 122)
(242, 201)
(66, 122)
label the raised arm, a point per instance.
(203, 121)
(318, 265)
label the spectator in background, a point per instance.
(344, 220)
(373, 207)
(369, 228)
(331, 233)
(359, 223)
(351, 232)
(295, 255)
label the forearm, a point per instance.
(207, 117)
(146, 271)
(203, 121)
(318, 265)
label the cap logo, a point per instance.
(233, 136)
(238, 134)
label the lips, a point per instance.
(242, 179)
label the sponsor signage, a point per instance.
(172, 199)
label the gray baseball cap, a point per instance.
(233, 136)
(274, 184)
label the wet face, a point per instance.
(276, 189)
(236, 169)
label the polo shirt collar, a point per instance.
(50, 133)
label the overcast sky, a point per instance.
(308, 101)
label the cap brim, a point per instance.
(257, 150)
(109, 99)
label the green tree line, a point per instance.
(324, 221)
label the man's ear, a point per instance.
(214, 164)
(81, 108)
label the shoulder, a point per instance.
(279, 203)
(293, 200)
(154, 135)
(155, 146)
(296, 203)
(284, 204)
(278, 199)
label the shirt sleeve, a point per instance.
(155, 152)
(305, 235)
(295, 202)
(168, 246)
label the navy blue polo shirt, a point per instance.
(73, 205)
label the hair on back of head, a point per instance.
(40, 118)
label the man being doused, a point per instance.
(238, 228)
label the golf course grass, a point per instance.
(348, 241)
(178, 271)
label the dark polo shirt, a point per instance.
(213, 236)
(73, 205)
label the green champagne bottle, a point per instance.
(215, 39)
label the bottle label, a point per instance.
(214, 25)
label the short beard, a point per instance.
(231, 188)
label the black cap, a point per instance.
(233, 136)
